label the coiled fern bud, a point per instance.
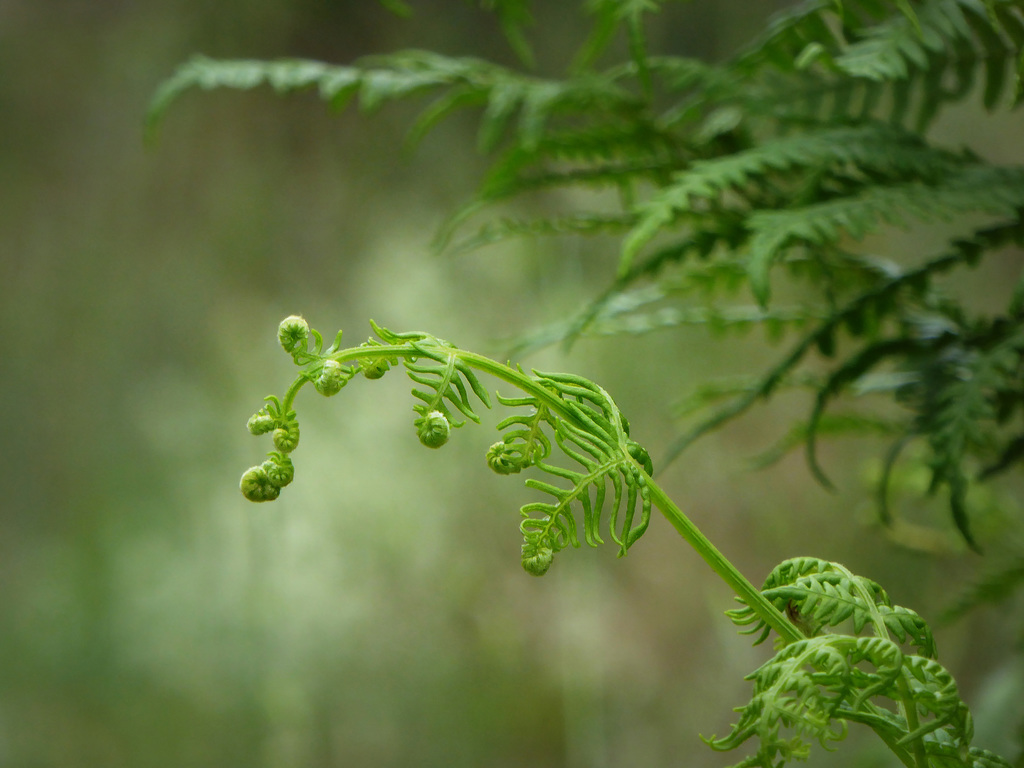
(256, 485)
(374, 368)
(261, 422)
(287, 437)
(433, 429)
(293, 333)
(640, 454)
(333, 376)
(504, 459)
(537, 556)
(279, 469)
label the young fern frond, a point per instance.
(561, 409)
(818, 594)
(813, 687)
(462, 82)
(881, 674)
(598, 451)
(555, 409)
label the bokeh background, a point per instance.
(375, 615)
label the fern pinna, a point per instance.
(767, 167)
(820, 679)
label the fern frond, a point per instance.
(981, 188)
(603, 465)
(818, 594)
(874, 148)
(813, 687)
(379, 79)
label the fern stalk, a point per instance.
(739, 584)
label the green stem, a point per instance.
(883, 729)
(909, 710)
(498, 370)
(293, 391)
(739, 584)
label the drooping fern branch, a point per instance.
(882, 673)
(553, 409)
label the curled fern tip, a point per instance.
(260, 423)
(537, 557)
(503, 459)
(256, 485)
(333, 376)
(433, 429)
(293, 333)
(279, 469)
(286, 438)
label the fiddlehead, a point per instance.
(293, 333)
(433, 429)
(553, 409)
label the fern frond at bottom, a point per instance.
(813, 688)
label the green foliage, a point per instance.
(558, 409)
(882, 672)
(763, 172)
(814, 686)
(765, 168)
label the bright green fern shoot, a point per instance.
(569, 435)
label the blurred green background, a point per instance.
(376, 615)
